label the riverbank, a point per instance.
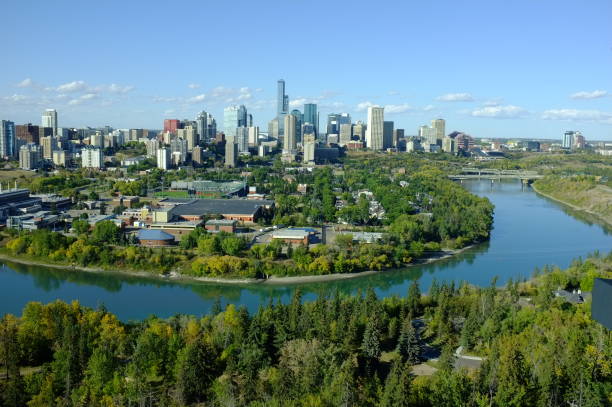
(272, 280)
(605, 219)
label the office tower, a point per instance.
(96, 140)
(397, 135)
(48, 145)
(343, 118)
(29, 156)
(59, 158)
(253, 135)
(190, 135)
(346, 130)
(27, 133)
(163, 158)
(311, 116)
(282, 100)
(197, 156)
(49, 119)
(374, 131)
(136, 134)
(7, 139)
(234, 117)
(179, 145)
(171, 125)
(202, 125)
(568, 139)
(464, 142)
(211, 127)
(289, 141)
(439, 126)
(428, 136)
(231, 152)
(242, 139)
(359, 131)
(387, 134)
(448, 145)
(309, 148)
(299, 119)
(152, 145)
(249, 121)
(92, 157)
(579, 141)
(273, 129)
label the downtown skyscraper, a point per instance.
(311, 116)
(375, 129)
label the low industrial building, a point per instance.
(177, 229)
(33, 221)
(221, 225)
(54, 202)
(15, 202)
(242, 210)
(292, 236)
(210, 189)
(125, 201)
(155, 238)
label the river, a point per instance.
(529, 231)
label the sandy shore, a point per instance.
(272, 280)
(574, 207)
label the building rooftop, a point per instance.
(290, 234)
(221, 222)
(147, 234)
(217, 206)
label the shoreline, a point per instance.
(574, 207)
(272, 280)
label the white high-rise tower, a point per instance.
(49, 119)
(375, 129)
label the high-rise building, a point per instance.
(152, 145)
(242, 139)
(273, 129)
(197, 156)
(387, 134)
(359, 130)
(171, 125)
(253, 135)
(163, 158)
(346, 130)
(397, 135)
(234, 117)
(374, 131)
(29, 156)
(299, 119)
(311, 116)
(579, 141)
(231, 152)
(49, 145)
(49, 119)
(202, 125)
(135, 135)
(7, 139)
(59, 158)
(282, 100)
(439, 126)
(449, 145)
(309, 144)
(190, 135)
(27, 133)
(289, 140)
(428, 136)
(568, 139)
(91, 157)
(179, 145)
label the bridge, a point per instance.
(489, 173)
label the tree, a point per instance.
(195, 371)
(397, 386)
(106, 232)
(414, 298)
(80, 226)
(408, 345)
(9, 359)
(232, 245)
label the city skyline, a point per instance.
(490, 79)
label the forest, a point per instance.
(338, 350)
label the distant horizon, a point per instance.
(468, 63)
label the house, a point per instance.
(574, 297)
(221, 225)
(153, 238)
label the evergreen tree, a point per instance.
(397, 387)
(408, 345)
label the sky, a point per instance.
(525, 68)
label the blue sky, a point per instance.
(491, 68)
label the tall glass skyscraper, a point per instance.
(310, 116)
(282, 100)
(234, 117)
(7, 139)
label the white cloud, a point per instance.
(429, 108)
(578, 115)
(84, 98)
(500, 112)
(393, 93)
(456, 97)
(26, 83)
(164, 99)
(395, 109)
(596, 94)
(197, 99)
(193, 85)
(16, 98)
(114, 88)
(74, 86)
(363, 106)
